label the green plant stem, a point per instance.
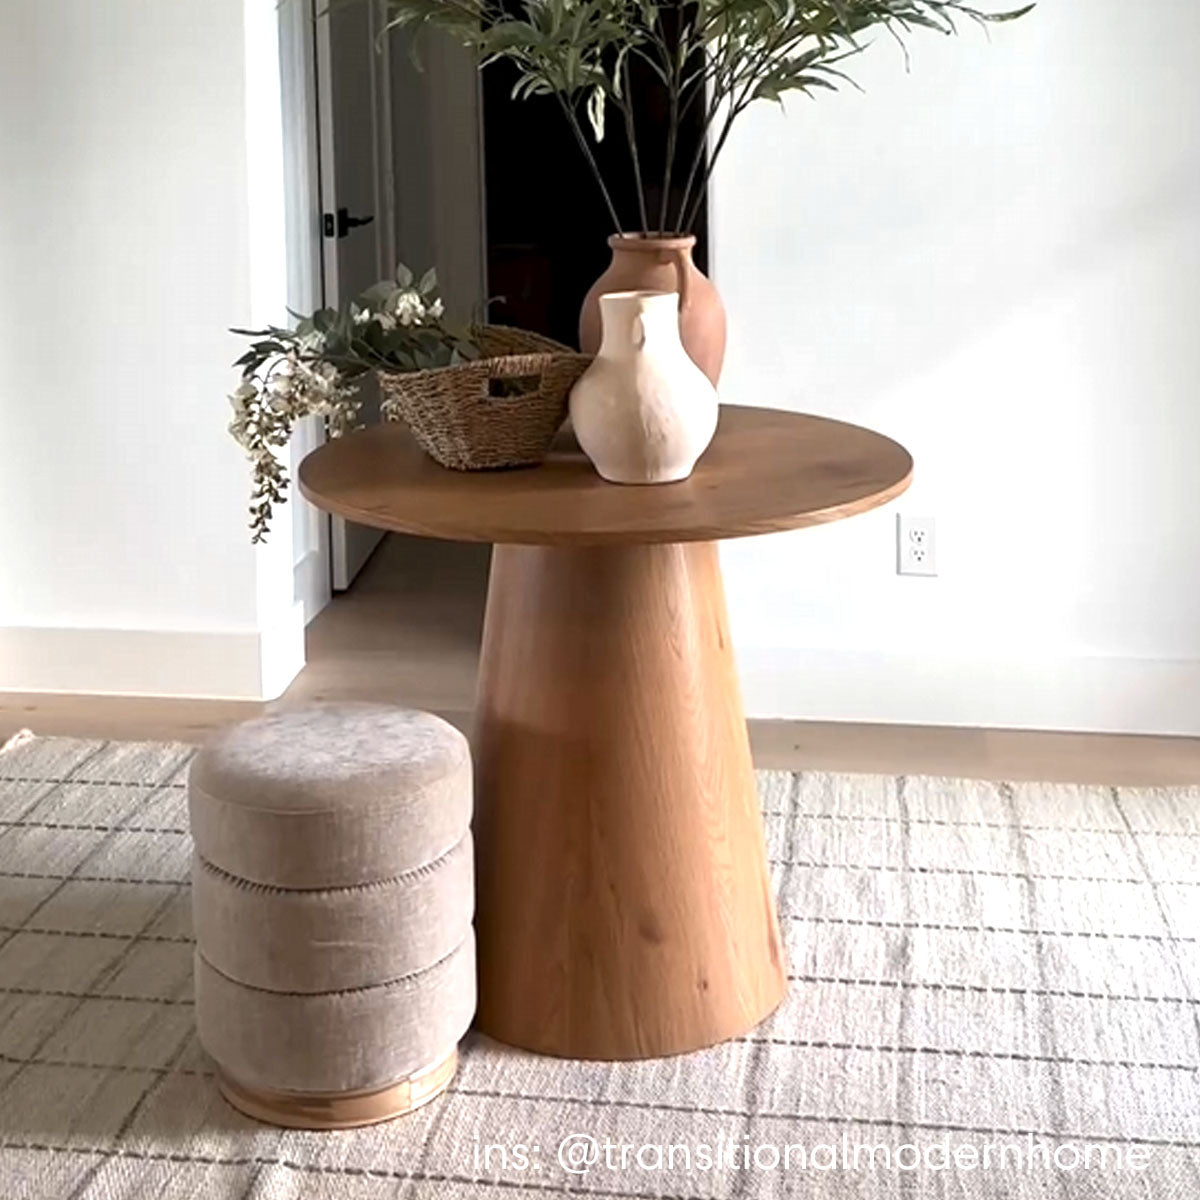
(573, 121)
(698, 90)
(672, 119)
(689, 213)
(694, 88)
(689, 216)
(631, 135)
(566, 46)
(669, 166)
(724, 79)
(709, 117)
(750, 73)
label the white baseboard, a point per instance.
(1101, 695)
(142, 662)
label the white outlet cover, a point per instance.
(916, 545)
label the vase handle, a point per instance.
(637, 332)
(683, 273)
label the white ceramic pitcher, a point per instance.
(643, 411)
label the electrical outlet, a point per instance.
(916, 545)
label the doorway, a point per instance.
(437, 166)
(546, 222)
(384, 166)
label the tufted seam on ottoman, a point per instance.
(341, 1041)
(401, 982)
(249, 885)
(311, 940)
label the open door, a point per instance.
(305, 277)
(357, 211)
(384, 165)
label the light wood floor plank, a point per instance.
(408, 632)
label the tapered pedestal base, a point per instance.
(624, 907)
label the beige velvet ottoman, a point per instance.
(332, 897)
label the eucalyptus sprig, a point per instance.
(714, 56)
(291, 374)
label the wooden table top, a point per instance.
(766, 471)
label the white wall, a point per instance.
(996, 260)
(136, 228)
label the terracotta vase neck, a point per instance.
(637, 243)
(661, 264)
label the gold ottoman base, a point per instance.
(344, 1110)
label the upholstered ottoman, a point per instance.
(332, 901)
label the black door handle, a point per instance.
(343, 224)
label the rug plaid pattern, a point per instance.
(970, 963)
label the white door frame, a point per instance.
(456, 239)
(305, 276)
(351, 544)
(384, 224)
(322, 560)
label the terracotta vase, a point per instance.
(643, 411)
(662, 265)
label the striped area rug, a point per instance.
(995, 993)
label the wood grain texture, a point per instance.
(346, 1110)
(765, 471)
(624, 908)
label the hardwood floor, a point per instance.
(408, 632)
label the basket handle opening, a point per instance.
(506, 386)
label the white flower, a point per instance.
(317, 381)
(282, 382)
(436, 309)
(240, 400)
(386, 321)
(266, 407)
(409, 308)
(361, 316)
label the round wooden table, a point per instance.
(624, 908)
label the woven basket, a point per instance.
(470, 417)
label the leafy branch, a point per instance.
(714, 56)
(289, 375)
